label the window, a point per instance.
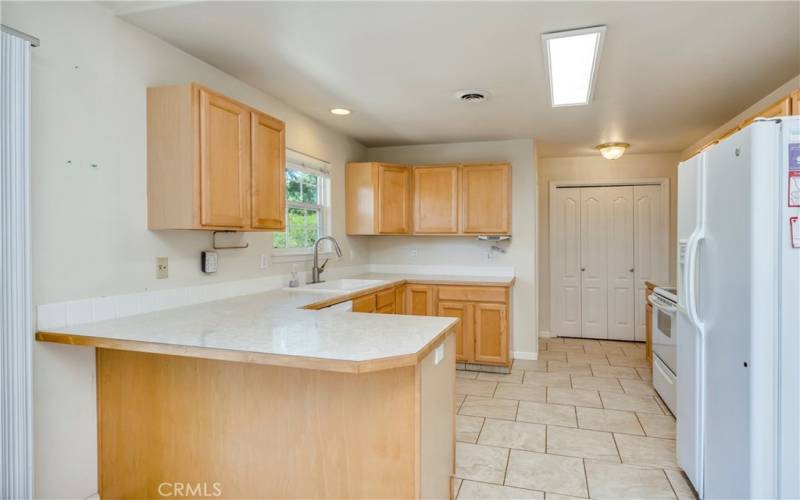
(306, 206)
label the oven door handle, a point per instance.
(662, 304)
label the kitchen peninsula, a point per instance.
(263, 396)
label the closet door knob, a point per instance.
(631, 269)
(583, 269)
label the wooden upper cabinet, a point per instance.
(486, 199)
(377, 198)
(436, 199)
(782, 107)
(394, 187)
(268, 176)
(795, 98)
(224, 161)
(212, 163)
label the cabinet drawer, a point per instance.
(385, 298)
(365, 304)
(474, 293)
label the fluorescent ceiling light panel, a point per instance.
(571, 58)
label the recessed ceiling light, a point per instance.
(340, 111)
(612, 150)
(571, 57)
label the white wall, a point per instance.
(465, 250)
(90, 224)
(590, 168)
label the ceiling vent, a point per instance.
(472, 95)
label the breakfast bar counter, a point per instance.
(255, 396)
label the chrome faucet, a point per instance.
(317, 269)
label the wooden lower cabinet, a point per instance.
(419, 300)
(464, 331)
(385, 301)
(491, 333)
(648, 322)
(365, 304)
(400, 299)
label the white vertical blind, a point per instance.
(16, 324)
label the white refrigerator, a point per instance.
(739, 314)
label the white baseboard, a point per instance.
(545, 333)
(526, 355)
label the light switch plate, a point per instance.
(438, 355)
(208, 261)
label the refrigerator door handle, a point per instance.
(691, 280)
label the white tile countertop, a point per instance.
(279, 327)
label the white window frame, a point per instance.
(308, 164)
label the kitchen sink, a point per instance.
(340, 285)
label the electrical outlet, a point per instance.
(264, 261)
(162, 268)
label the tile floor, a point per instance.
(583, 421)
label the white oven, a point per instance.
(665, 316)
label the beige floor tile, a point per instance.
(466, 374)
(571, 368)
(565, 347)
(556, 496)
(534, 365)
(514, 376)
(481, 463)
(662, 426)
(615, 481)
(596, 383)
(548, 379)
(637, 353)
(474, 490)
(649, 451)
(609, 420)
(543, 413)
(459, 400)
(637, 387)
(628, 361)
(468, 428)
(552, 340)
(521, 392)
(519, 435)
(681, 485)
(577, 397)
(456, 486)
(584, 357)
(550, 473)
(630, 402)
(475, 387)
(613, 350)
(581, 443)
(615, 372)
(477, 406)
(552, 356)
(579, 341)
(645, 373)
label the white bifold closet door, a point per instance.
(605, 242)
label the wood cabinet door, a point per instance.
(267, 172)
(364, 304)
(393, 192)
(385, 301)
(400, 300)
(224, 162)
(648, 322)
(435, 200)
(486, 199)
(491, 333)
(419, 300)
(465, 341)
(795, 103)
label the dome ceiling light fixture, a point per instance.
(612, 150)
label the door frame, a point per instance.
(662, 182)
